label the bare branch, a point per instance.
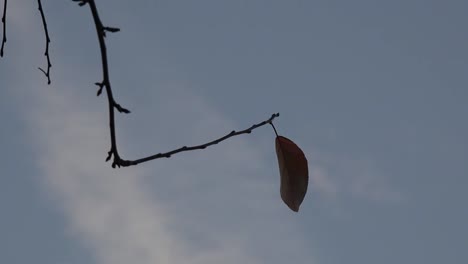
(46, 53)
(112, 104)
(168, 154)
(106, 81)
(4, 40)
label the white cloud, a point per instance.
(322, 183)
(107, 209)
(337, 178)
(205, 207)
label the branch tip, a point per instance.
(81, 2)
(121, 109)
(100, 85)
(109, 155)
(111, 29)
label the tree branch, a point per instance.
(168, 154)
(105, 83)
(4, 40)
(46, 53)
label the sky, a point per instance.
(374, 92)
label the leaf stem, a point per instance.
(274, 128)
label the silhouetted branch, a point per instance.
(100, 30)
(46, 31)
(4, 27)
(105, 83)
(202, 146)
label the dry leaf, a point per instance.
(294, 172)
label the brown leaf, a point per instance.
(294, 172)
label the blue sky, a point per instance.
(374, 92)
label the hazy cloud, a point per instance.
(206, 208)
(338, 178)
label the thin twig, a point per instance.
(46, 53)
(105, 83)
(4, 40)
(202, 146)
